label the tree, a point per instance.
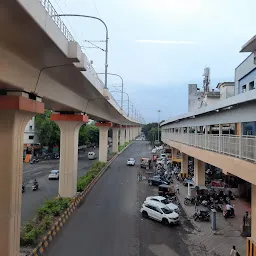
(146, 128)
(47, 131)
(83, 135)
(93, 133)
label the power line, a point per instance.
(96, 8)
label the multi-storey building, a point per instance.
(200, 132)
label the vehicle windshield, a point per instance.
(165, 201)
(166, 210)
(130, 159)
(53, 172)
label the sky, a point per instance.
(160, 46)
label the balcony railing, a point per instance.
(243, 147)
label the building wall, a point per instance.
(194, 97)
(29, 132)
(244, 74)
(209, 101)
(226, 92)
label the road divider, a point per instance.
(29, 235)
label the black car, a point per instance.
(156, 181)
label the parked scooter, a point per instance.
(202, 215)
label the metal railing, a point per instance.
(61, 25)
(58, 21)
(243, 147)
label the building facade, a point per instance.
(29, 133)
(200, 132)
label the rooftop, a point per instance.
(250, 46)
(225, 84)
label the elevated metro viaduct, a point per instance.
(43, 67)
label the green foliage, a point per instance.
(151, 131)
(48, 132)
(121, 147)
(147, 127)
(85, 180)
(153, 135)
(43, 221)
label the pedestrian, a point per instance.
(234, 251)
(177, 188)
(139, 177)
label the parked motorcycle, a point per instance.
(34, 160)
(229, 214)
(189, 200)
(202, 215)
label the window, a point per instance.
(30, 127)
(167, 210)
(251, 86)
(244, 88)
(30, 137)
(158, 210)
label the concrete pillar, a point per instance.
(16, 109)
(115, 130)
(130, 133)
(103, 141)
(127, 134)
(199, 172)
(174, 154)
(184, 163)
(122, 135)
(69, 130)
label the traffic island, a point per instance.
(53, 214)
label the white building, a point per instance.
(198, 99)
(29, 133)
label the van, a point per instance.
(91, 155)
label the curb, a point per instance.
(57, 226)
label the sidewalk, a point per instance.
(227, 234)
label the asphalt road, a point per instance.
(109, 222)
(32, 200)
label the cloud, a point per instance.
(165, 42)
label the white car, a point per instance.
(163, 200)
(160, 212)
(54, 175)
(131, 162)
(153, 151)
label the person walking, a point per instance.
(234, 251)
(177, 188)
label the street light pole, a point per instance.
(159, 124)
(122, 91)
(106, 49)
(128, 100)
